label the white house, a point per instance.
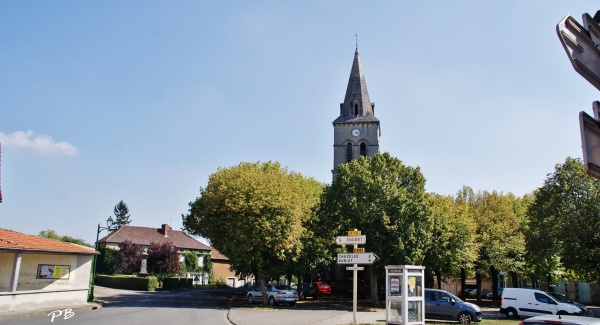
(38, 273)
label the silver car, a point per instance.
(442, 305)
(276, 293)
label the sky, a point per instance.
(141, 101)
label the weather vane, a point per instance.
(356, 36)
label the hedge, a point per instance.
(127, 282)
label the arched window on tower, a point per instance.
(355, 109)
(363, 149)
(348, 152)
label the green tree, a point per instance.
(563, 224)
(453, 246)
(254, 214)
(499, 232)
(51, 234)
(122, 215)
(386, 201)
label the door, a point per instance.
(439, 305)
(541, 304)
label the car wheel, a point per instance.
(272, 301)
(464, 318)
(511, 313)
(292, 303)
(250, 299)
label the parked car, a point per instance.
(276, 293)
(306, 290)
(560, 320)
(323, 288)
(485, 294)
(562, 298)
(442, 305)
(361, 288)
(520, 302)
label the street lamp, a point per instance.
(110, 226)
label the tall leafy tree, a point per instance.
(253, 213)
(564, 221)
(499, 232)
(453, 245)
(387, 202)
(122, 215)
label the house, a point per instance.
(40, 273)
(223, 271)
(145, 236)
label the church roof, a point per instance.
(356, 94)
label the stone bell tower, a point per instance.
(356, 131)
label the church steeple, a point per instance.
(357, 105)
(356, 130)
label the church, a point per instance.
(356, 131)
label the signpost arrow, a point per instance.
(581, 48)
(351, 240)
(356, 258)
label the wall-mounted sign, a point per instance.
(50, 271)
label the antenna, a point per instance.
(356, 36)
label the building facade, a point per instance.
(39, 273)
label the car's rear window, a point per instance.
(282, 287)
(323, 285)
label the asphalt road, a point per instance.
(140, 308)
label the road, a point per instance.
(142, 308)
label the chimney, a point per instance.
(165, 229)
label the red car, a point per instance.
(323, 288)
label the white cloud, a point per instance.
(40, 143)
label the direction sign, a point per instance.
(358, 250)
(356, 258)
(590, 143)
(351, 240)
(352, 268)
(581, 48)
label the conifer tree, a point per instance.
(121, 212)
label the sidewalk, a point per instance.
(362, 317)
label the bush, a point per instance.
(127, 282)
(177, 283)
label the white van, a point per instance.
(519, 302)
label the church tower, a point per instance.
(356, 131)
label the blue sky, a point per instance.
(141, 101)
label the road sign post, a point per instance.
(357, 257)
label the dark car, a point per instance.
(442, 305)
(306, 290)
(562, 298)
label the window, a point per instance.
(363, 149)
(355, 109)
(543, 298)
(348, 151)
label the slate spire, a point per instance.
(357, 105)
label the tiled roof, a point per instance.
(147, 235)
(16, 241)
(216, 255)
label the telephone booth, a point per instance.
(404, 295)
